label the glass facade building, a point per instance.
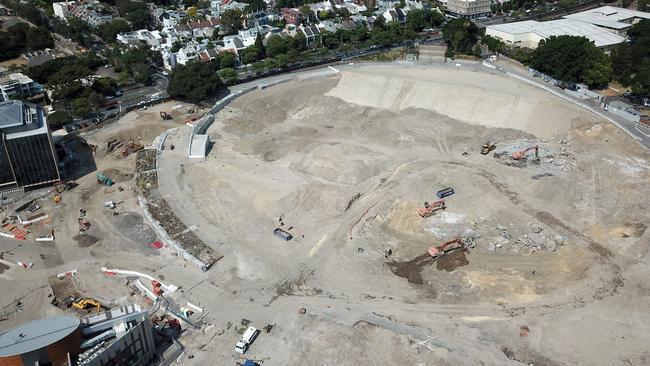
(27, 155)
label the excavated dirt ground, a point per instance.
(345, 162)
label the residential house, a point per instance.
(395, 15)
(203, 28)
(292, 16)
(469, 8)
(311, 32)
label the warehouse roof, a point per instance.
(561, 27)
(36, 334)
(609, 17)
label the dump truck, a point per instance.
(103, 179)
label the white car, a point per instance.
(155, 96)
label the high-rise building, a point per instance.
(27, 155)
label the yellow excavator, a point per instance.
(83, 304)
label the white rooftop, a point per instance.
(609, 16)
(562, 27)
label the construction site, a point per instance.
(381, 214)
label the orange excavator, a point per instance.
(518, 155)
(439, 251)
(430, 208)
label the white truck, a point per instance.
(246, 340)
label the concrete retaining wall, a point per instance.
(169, 242)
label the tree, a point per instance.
(231, 20)
(58, 119)
(105, 86)
(109, 30)
(416, 20)
(81, 107)
(195, 82)
(224, 60)
(461, 35)
(492, 43)
(380, 22)
(572, 59)
(259, 46)
(248, 55)
(39, 38)
(228, 74)
(631, 61)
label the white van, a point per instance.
(246, 340)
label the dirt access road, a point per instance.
(557, 275)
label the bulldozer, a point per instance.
(518, 155)
(83, 304)
(487, 147)
(430, 208)
(164, 115)
(439, 251)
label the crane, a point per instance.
(439, 251)
(430, 208)
(518, 155)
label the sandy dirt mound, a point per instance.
(482, 99)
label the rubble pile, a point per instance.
(534, 238)
(176, 229)
(552, 156)
(146, 182)
(145, 160)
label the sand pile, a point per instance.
(482, 99)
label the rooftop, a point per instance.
(36, 334)
(561, 27)
(609, 17)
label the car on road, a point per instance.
(154, 97)
(165, 73)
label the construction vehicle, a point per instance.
(430, 208)
(445, 192)
(487, 147)
(103, 179)
(518, 155)
(157, 287)
(164, 115)
(83, 304)
(83, 225)
(439, 251)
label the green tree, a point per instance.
(259, 46)
(195, 82)
(572, 59)
(492, 44)
(109, 30)
(228, 74)
(58, 119)
(226, 60)
(380, 22)
(416, 20)
(39, 38)
(232, 21)
(105, 86)
(81, 107)
(631, 61)
(461, 35)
